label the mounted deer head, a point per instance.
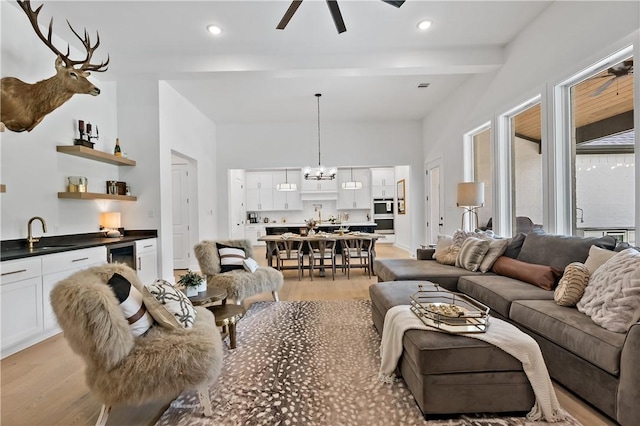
(24, 105)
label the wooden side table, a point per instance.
(209, 297)
(226, 317)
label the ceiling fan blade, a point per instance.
(336, 15)
(295, 4)
(396, 3)
(603, 87)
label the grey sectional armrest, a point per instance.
(425, 254)
(628, 389)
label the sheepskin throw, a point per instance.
(572, 284)
(131, 304)
(612, 297)
(168, 305)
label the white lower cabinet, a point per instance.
(147, 260)
(253, 232)
(27, 316)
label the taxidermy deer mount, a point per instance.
(24, 105)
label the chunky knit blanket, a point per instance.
(500, 334)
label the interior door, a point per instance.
(237, 210)
(435, 218)
(180, 203)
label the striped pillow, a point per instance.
(131, 305)
(572, 284)
(230, 257)
(471, 253)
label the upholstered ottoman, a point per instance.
(450, 374)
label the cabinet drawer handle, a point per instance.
(150, 245)
(81, 259)
(13, 272)
(139, 264)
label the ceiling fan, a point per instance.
(614, 73)
(333, 8)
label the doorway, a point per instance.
(435, 217)
(184, 209)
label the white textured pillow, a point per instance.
(168, 305)
(131, 304)
(597, 257)
(572, 284)
(471, 253)
(250, 264)
(612, 297)
(497, 247)
(448, 256)
(444, 241)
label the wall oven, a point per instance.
(383, 209)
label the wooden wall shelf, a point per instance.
(92, 154)
(95, 196)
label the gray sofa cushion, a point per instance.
(571, 330)
(558, 251)
(499, 292)
(411, 269)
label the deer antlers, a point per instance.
(86, 41)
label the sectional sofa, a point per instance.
(601, 366)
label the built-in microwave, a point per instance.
(383, 206)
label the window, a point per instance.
(482, 172)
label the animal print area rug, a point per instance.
(309, 363)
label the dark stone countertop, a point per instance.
(18, 249)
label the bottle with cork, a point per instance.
(117, 151)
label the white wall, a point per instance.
(31, 168)
(275, 145)
(414, 218)
(566, 38)
(190, 133)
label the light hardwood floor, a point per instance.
(44, 384)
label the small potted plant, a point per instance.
(193, 283)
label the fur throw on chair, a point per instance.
(239, 284)
(121, 368)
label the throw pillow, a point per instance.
(515, 245)
(444, 241)
(612, 297)
(250, 264)
(597, 257)
(460, 236)
(471, 253)
(230, 257)
(558, 251)
(496, 249)
(572, 284)
(448, 256)
(623, 246)
(131, 304)
(539, 275)
(168, 305)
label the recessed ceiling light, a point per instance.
(424, 25)
(213, 29)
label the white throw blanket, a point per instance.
(500, 334)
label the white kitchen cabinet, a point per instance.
(259, 200)
(350, 199)
(286, 200)
(259, 180)
(253, 232)
(27, 316)
(318, 185)
(383, 182)
(21, 303)
(147, 260)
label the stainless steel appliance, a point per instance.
(383, 215)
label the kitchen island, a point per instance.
(301, 228)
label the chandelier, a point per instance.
(320, 172)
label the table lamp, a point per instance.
(470, 197)
(110, 222)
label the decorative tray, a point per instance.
(449, 311)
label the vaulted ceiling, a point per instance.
(253, 72)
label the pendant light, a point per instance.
(320, 172)
(352, 184)
(286, 186)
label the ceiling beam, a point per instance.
(608, 126)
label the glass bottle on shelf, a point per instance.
(117, 151)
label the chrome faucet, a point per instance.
(30, 238)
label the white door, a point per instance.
(435, 217)
(237, 210)
(180, 202)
